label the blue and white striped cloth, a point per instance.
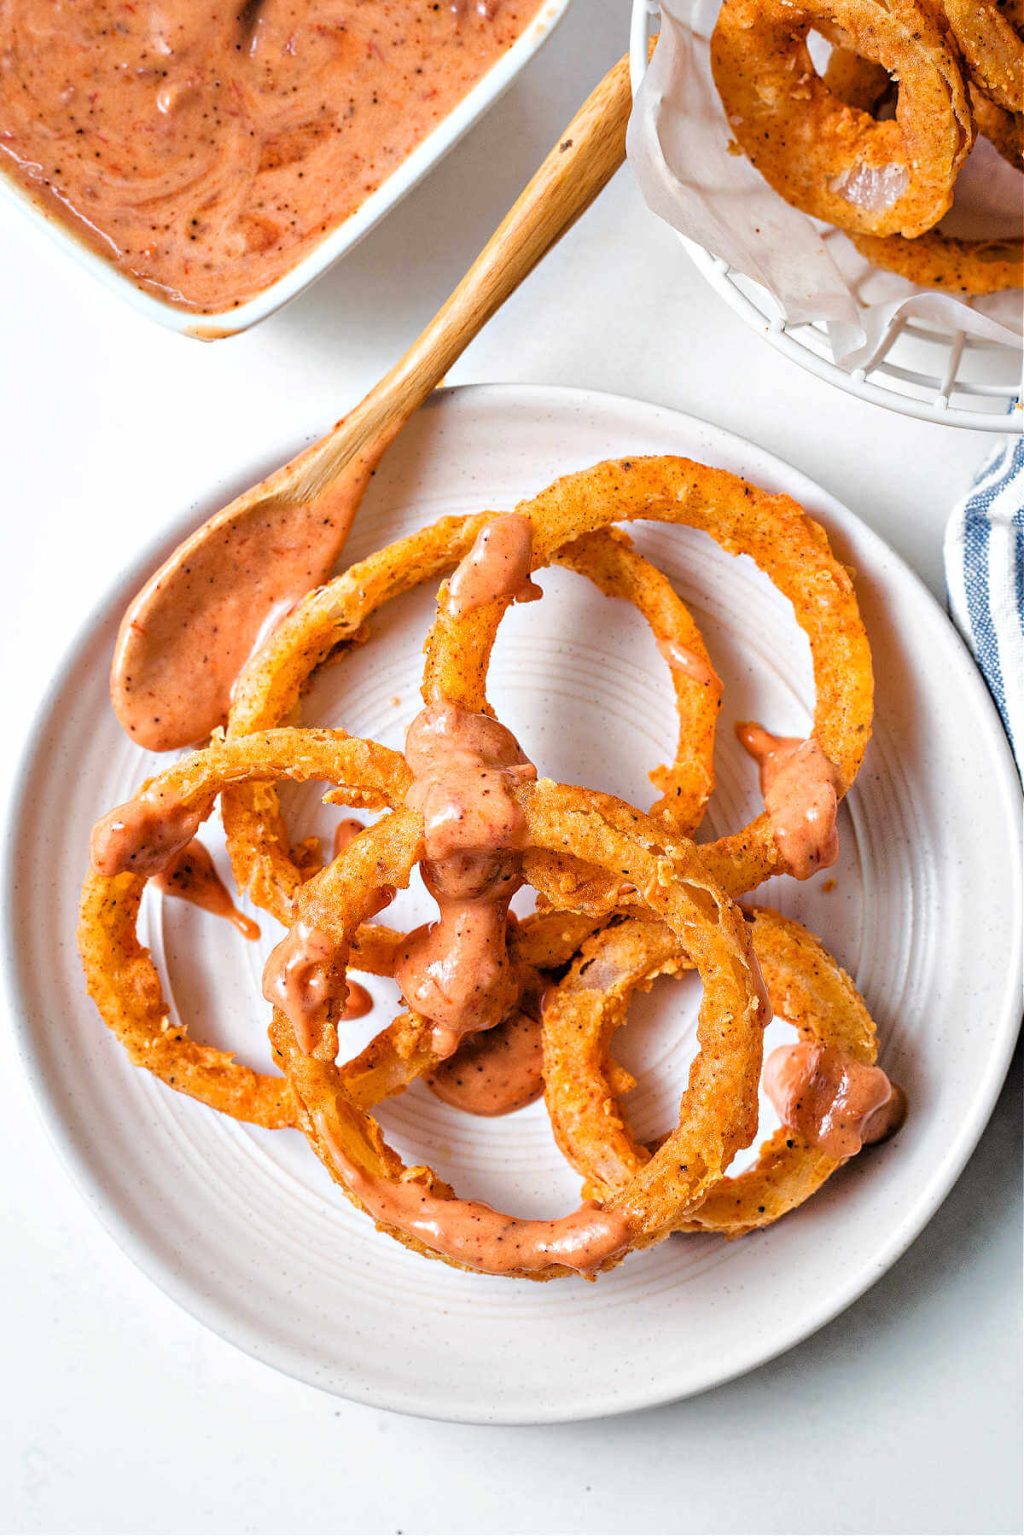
(984, 556)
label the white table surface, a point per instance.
(117, 1411)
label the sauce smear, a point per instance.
(297, 979)
(683, 660)
(800, 787)
(191, 875)
(498, 566)
(495, 1073)
(144, 835)
(300, 978)
(358, 1002)
(457, 971)
(832, 1100)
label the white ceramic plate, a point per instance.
(244, 1228)
(338, 241)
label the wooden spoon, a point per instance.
(187, 634)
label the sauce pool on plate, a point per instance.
(205, 148)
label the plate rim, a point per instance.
(215, 1317)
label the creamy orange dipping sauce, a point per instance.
(205, 147)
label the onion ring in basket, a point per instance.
(944, 262)
(857, 82)
(775, 532)
(863, 84)
(1004, 130)
(582, 1082)
(992, 47)
(934, 259)
(717, 1109)
(829, 159)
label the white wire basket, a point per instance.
(933, 374)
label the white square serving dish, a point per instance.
(338, 241)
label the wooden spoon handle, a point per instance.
(586, 157)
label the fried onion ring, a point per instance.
(858, 82)
(334, 617)
(992, 48)
(120, 975)
(583, 1084)
(718, 1109)
(823, 156)
(863, 84)
(1004, 130)
(947, 263)
(774, 531)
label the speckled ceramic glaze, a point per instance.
(244, 1227)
